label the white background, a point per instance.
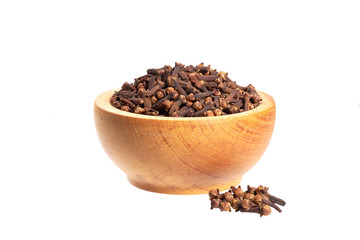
(56, 182)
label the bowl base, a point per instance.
(191, 190)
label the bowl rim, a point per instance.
(102, 101)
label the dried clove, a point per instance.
(175, 106)
(202, 111)
(225, 206)
(215, 203)
(159, 94)
(147, 104)
(178, 67)
(228, 197)
(265, 210)
(202, 91)
(238, 192)
(235, 204)
(253, 200)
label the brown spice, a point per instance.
(215, 203)
(235, 204)
(225, 206)
(201, 89)
(253, 200)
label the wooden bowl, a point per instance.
(184, 155)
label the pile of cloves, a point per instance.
(185, 91)
(253, 200)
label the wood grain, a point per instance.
(184, 155)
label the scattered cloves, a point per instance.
(253, 200)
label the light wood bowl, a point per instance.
(184, 155)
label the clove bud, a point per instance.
(225, 206)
